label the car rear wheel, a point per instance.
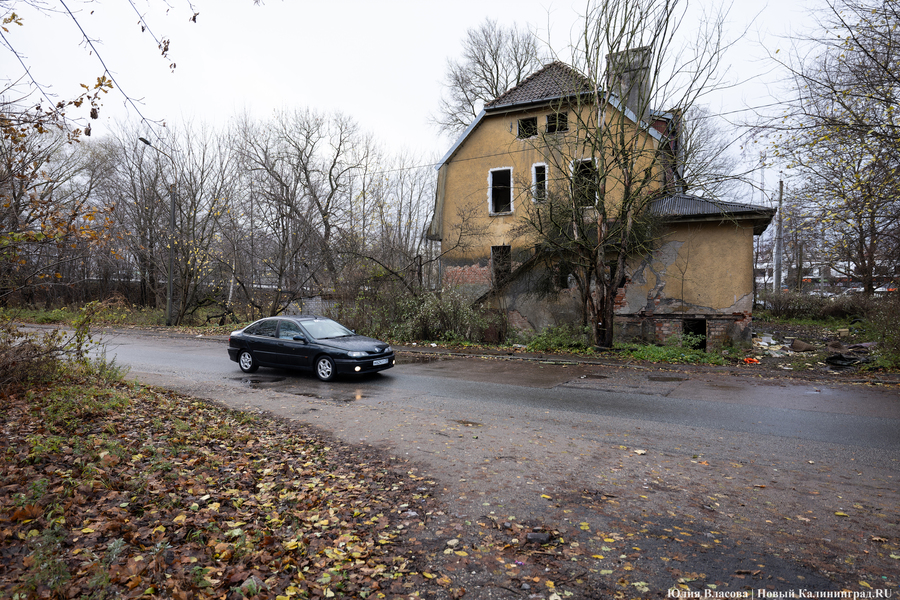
(325, 368)
(246, 362)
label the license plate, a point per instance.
(380, 361)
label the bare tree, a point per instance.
(840, 134)
(706, 158)
(495, 59)
(386, 233)
(618, 153)
(135, 191)
(849, 196)
(306, 170)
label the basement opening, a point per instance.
(696, 327)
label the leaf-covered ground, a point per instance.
(127, 492)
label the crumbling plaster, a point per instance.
(696, 269)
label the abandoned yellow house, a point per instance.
(698, 278)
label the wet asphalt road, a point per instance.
(846, 415)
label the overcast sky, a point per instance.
(381, 62)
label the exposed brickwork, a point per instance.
(467, 275)
(717, 332)
(620, 298)
(666, 328)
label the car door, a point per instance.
(263, 343)
(293, 352)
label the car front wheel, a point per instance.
(246, 362)
(325, 368)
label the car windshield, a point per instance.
(326, 328)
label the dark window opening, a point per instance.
(585, 183)
(501, 264)
(528, 127)
(557, 122)
(564, 276)
(540, 182)
(696, 327)
(501, 191)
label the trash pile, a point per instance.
(846, 357)
(840, 356)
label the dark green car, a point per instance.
(317, 343)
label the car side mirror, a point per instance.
(299, 338)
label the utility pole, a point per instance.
(778, 239)
(170, 276)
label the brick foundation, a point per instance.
(721, 330)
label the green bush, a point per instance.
(446, 316)
(560, 338)
(678, 353)
(686, 341)
(883, 326)
(59, 315)
(394, 314)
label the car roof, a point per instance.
(299, 318)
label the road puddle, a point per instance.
(259, 381)
(342, 398)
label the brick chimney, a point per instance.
(628, 77)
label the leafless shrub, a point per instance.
(28, 357)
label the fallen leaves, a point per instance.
(165, 495)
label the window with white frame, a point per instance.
(539, 181)
(500, 192)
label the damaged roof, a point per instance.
(554, 81)
(685, 207)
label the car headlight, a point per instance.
(356, 354)
(388, 349)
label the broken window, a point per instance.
(527, 127)
(501, 191)
(585, 183)
(557, 122)
(501, 264)
(539, 172)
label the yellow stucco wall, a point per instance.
(697, 268)
(491, 145)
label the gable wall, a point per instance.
(492, 145)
